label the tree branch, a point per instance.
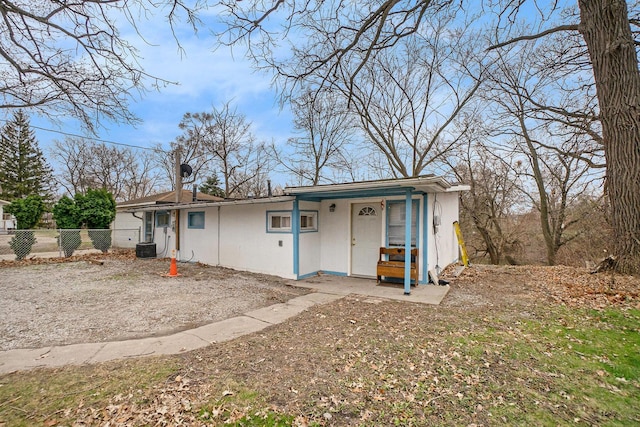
(568, 27)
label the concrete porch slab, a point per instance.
(342, 285)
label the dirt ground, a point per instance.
(66, 301)
(356, 361)
(44, 303)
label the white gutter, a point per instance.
(458, 187)
(181, 206)
(371, 185)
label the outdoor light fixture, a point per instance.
(332, 207)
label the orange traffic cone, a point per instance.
(173, 269)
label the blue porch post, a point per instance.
(295, 220)
(424, 259)
(407, 244)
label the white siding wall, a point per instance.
(244, 243)
(196, 244)
(236, 236)
(164, 238)
(443, 245)
(127, 230)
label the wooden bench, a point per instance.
(391, 264)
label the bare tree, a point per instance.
(242, 162)
(85, 164)
(492, 204)
(69, 58)
(612, 53)
(325, 129)
(553, 173)
(222, 141)
(338, 33)
(197, 134)
(73, 159)
(407, 99)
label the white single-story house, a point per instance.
(7, 221)
(134, 222)
(334, 229)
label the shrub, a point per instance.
(68, 217)
(28, 212)
(21, 243)
(101, 239)
(98, 210)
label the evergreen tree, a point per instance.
(23, 169)
(212, 187)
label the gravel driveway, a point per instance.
(43, 303)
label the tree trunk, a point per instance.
(606, 30)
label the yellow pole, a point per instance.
(463, 249)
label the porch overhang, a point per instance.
(382, 188)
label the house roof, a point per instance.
(379, 188)
(4, 202)
(169, 197)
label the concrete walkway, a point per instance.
(328, 289)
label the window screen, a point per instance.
(196, 220)
(397, 220)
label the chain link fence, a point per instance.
(21, 244)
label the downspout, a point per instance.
(219, 235)
(133, 214)
(407, 244)
(295, 221)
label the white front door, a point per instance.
(366, 237)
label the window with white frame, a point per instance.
(279, 221)
(308, 221)
(195, 220)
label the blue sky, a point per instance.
(205, 77)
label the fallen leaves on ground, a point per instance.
(574, 287)
(114, 254)
(355, 363)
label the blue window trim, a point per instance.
(317, 225)
(281, 213)
(192, 214)
(162, 225)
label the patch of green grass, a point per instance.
(259, 419)
(573, 366)
(240, 406)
